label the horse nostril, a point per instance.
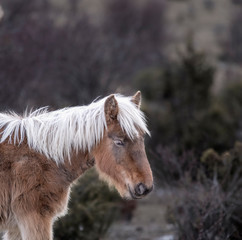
(141, 189)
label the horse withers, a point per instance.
(42, 153)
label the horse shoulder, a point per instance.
(32, 182)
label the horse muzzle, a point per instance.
(140, 190)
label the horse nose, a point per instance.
(142, 190)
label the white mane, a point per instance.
(56, 134)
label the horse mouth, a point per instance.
(132, 194)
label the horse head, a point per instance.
(120, 160)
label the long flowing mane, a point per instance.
(57, 133)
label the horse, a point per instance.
(42, 153)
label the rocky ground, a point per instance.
(148, 222)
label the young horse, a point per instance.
(42, 153)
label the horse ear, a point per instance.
(136, 99)
(111, 109)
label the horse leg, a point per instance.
(35, 227)
(13, 234)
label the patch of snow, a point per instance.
(1, 12)
(166, 237)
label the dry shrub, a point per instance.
(208, 206)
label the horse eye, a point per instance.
(119, 142)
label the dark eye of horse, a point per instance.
(118, 142)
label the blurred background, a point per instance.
(185, 56)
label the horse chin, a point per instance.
(127, 196)
(113, 184)
(126, 193)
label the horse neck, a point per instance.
(77, 165)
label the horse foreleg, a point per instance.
(35, 227)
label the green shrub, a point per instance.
(181, 111)
(225, 167)
(210, 158)
(212, 128)
(92, 209)
(231, 98)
